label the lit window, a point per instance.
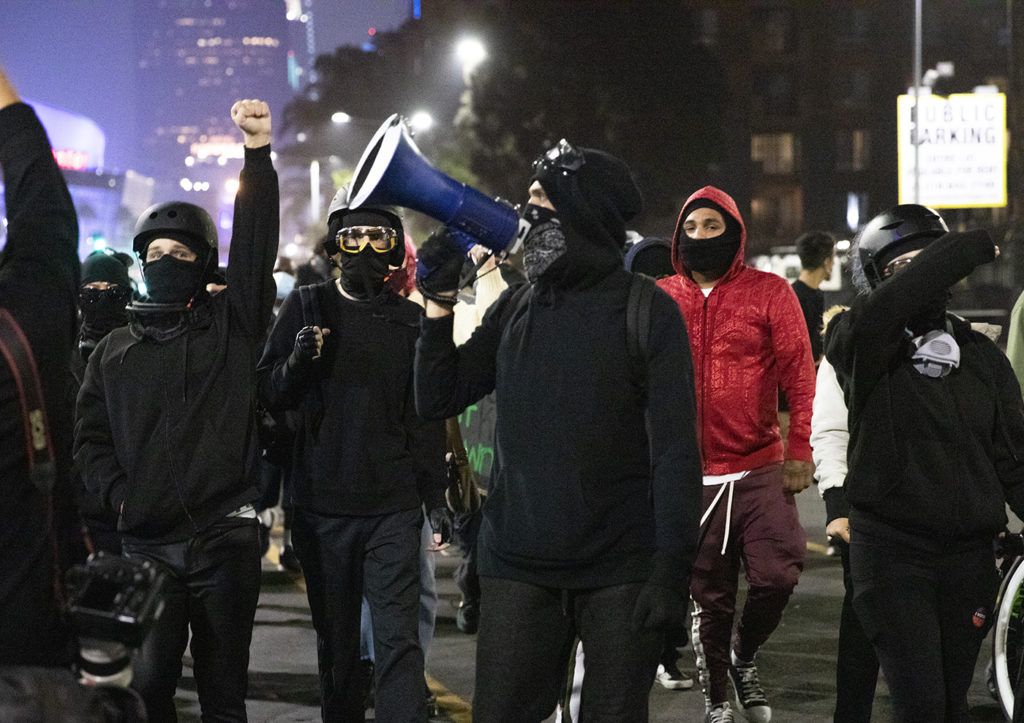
(777, 153)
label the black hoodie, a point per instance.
(596, 479)
(167, 428)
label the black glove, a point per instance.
(307, 347)
(658, 606)
(439, 262)
(441, 523)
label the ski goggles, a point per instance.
(117, 295)
(562, 158)
(353, 239)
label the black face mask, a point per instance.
(710, 255)
(544, 242)
(363, 274)
(172, 281)
(103, 310)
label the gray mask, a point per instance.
(544, 242)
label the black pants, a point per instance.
(213, 586)
(345, 558)
(525, 643)
(467, 528)
(926, 606)
(857, 664)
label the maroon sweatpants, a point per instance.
(765, 535)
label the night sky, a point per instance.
(77, 54)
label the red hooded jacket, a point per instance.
(748, 338)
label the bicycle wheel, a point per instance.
(1008, 638)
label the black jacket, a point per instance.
(938, 457)
(361, 449)
(168, 429)
(38, 284)
(586, 490)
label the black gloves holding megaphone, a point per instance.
(439, 264)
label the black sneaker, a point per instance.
(750, 696)
(670, 677)
(289, 560)
(467, 617)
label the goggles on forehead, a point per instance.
(353, 239)
(562, 158)
(117, 294)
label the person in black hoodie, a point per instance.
(165, 430)
(590, 525)
(366, 462)
(39, 273)
(936, 452)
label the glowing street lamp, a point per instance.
(421, 121)
(470, 52)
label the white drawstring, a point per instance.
(728, 511)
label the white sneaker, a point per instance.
(669, 676)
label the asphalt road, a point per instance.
(797, 665)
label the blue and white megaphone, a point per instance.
(393, 172)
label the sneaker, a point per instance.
(719, 713)
(670, 677)
(467, 617)
(750, 696)
(289, 560)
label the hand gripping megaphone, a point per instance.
(393, 172)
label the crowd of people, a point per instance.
(136, 426)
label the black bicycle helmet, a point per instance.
(176, 217)
(340, 215)
(903, 228)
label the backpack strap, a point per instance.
(638, 317)
(38, 442)
(310, 305)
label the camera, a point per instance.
(113, 602)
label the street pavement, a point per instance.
(797, 665)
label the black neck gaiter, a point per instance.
(363, 274)
(172, 281)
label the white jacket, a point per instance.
(830, 432)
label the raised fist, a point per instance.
(253, 118)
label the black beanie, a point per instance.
(651, 256)
(731, 224)
(601, 191)
(101, 266)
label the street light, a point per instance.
(470, 52)
(421, 121)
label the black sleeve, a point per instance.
(874, 325)
(95, 454)
(254, 239)
(449, 379)
(283, 380)
(427, 446)
(676, 475)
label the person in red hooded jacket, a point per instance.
(748, 338)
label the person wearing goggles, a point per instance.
(590, 526)
(341, 355)
(102, 300)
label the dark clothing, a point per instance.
(168, 428)
(926, 610)
(761, 531)
(361, 448)
(213, 584)
(959, 438)
(932, 463)
(364, 462)
(345, 558)
(620, 661)
(812, 302)
(38, 284)
(856, 661)
(586, 490)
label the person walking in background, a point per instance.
(817, 252)
(748, 338)
(166, 434)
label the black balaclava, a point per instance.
(103, 310)
(364, 274)
(592, 205)
(170, 280)
(712, 256)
